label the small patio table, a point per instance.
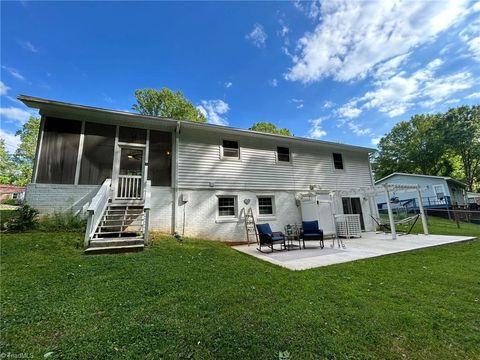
(292, 235)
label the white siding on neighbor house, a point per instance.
(201, 166)
(426, 186)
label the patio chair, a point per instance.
(269, 238)
(311, 231)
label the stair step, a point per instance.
(114, 249)
(117, 225)
(116, 232)
(109, 242)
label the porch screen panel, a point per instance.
(58, 156)
(132, 135)
(97, 157)
(159, 162)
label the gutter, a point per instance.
(175, 177)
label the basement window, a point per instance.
(230, 149)
(283, 154)
(226, 206)
(337, 161)
(265, 205)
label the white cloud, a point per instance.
(228, 84)
(355, 36)
(298, 103)
(310, 8)
(316, 131)
(27, 45)
(3, 88)
(257, 36)
(399, 93)
(328, 104)
(284, 30)
(475, 95)
(16, 114)
(274, 82)
(11, 141)
(375, 141)
(214, 111)
(471, 37)
(358, 130)
(349, 110)
(13, 72)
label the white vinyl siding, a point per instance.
(200, 165)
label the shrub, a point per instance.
(10, 202)
(23, 219)
(66, 221)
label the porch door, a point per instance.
(352, 205)
(131, 173)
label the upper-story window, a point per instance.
(283, 154)
(230, 149)
(338, 161)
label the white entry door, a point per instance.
(131, 173)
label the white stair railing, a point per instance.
(129, 187)
(146, 208)
(96, 209)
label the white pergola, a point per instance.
(386, 189)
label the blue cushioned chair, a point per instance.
(311, 231)
(269, 238)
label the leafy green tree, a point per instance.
(461, 127)
(414, 146)
(6, 164)
(271, 128)
(166, 103)
(24, 156)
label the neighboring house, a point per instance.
(473, 198)
(11, 192)
(201, 177)
(436, 191)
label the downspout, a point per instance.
(175, 178)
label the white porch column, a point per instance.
(390, 213)
(422, 212)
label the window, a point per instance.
(160, 159)
(97, 157)
(226, 206)
(58, 156)
(283, 154)
(231, 149)
(338, 161)
(265, 205)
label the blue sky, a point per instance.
(331, 70)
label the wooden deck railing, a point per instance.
(129, 187)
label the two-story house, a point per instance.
(124, 170)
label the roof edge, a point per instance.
(39, 103)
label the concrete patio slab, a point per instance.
(369, 245)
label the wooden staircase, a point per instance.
(121, 228)
(116, 225)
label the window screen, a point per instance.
(283, 154)
(58, 156)
(97, 157)
(160, 159)
(265, 205)
(230, 149)
(226, 206)
(132, 135)
(338, 161)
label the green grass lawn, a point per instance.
(204, 300)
